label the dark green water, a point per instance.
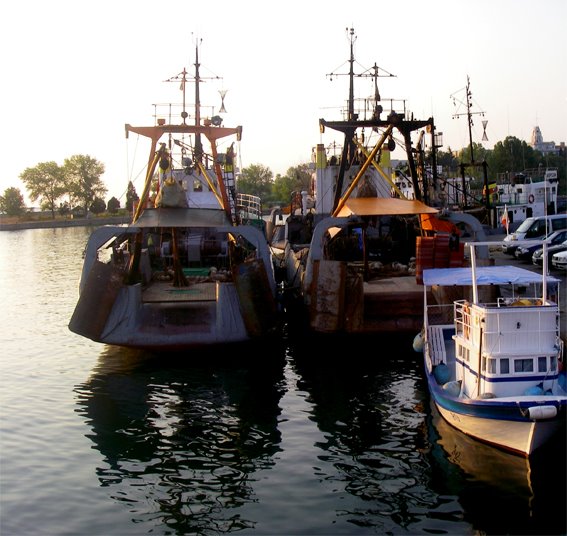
(284, 439)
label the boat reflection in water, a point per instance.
(335, 441)
(499, 490)
(181, 443)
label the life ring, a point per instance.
(531, 198)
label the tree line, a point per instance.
(77, 185)
(510, 155)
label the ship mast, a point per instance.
(469, 115)
(198, 143)
(472, 163)
(349, 146)
(198, 149)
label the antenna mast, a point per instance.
(198, 150)
(198, 143)
(472, 163)
(469, 115)
(374, 72)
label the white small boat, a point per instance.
(193, 268)
(494, 359)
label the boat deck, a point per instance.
(396, 285)
(393, 303)
(164, 291)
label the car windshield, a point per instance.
(525, 225)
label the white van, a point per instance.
(535, 228)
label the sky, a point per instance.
(75, 72)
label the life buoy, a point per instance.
(531, 198)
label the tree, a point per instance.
(256, 180)
(113, 205)
(296, 179)
(98, 206)
(131, 196)
(560, 162)
(64, 208)
(447, 160)
(512, 155)
(282, 188)
(45, 182)
(83, 179)
(12, 202)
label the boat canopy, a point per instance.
(384, 206)
(485, 275)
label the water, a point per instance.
(97, 440)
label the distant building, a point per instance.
(545, 147)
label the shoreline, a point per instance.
(77, 222)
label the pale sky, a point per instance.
(74, 72)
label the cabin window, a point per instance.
(197, 186)
(523, 365)
(492, 366)
(464, 353)
(542, 364)
(553, 363)
(504, 366)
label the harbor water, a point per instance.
(303, 436)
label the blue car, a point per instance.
(525, 252)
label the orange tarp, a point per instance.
(384, 206)
(431, 223)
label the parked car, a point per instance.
(525, 251)
(534, 228)
(559, 260)
(537, 257)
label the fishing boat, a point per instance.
(493, 355)
(193, 267)
(530, 193)
(352, 255)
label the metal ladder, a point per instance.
(230, 187)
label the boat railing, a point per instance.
(522, 198)
(249, 204)
(522, 326)
(462, 317)
(517, 302)
(440, 315)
